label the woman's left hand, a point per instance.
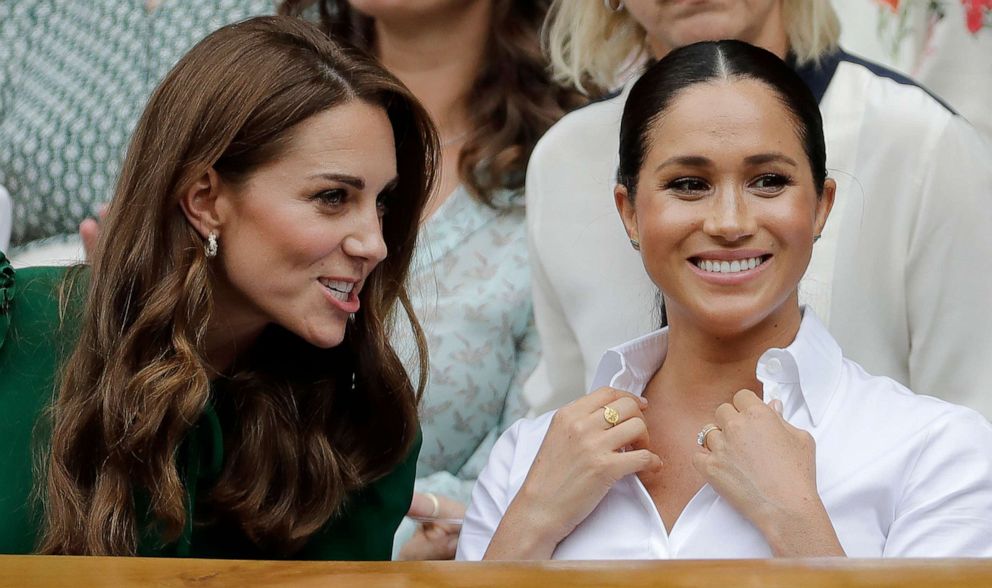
(433, 540)
(766, 469)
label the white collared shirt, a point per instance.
(900, 475)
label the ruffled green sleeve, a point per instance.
(6, 295)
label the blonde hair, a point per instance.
(594, 48)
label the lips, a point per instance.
(341, 293)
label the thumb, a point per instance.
(423, 506)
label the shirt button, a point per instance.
(774, 365)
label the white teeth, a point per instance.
(728, 267)
(338, 288)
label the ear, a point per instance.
(626, 209)
(199, 203)
(824, 204)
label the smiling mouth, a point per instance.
(339, 289)
(717, 266)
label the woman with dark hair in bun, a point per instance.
(739, 430)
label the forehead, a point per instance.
(725, 118)
(355, 135)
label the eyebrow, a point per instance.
(356, 182)
(700, 161)
(688, 160)
(762, 158)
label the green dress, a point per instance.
(34, 342)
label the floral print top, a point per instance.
(470, 288)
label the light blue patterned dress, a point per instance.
(470, 287)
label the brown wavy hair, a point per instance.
(137, 381)
(514, 99)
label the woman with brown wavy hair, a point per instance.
(229, 389)
(477, 67)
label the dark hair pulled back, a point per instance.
(710, 61)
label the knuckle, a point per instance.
(734, 427)
(600, 463)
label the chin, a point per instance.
(727, 319)
(325, 339)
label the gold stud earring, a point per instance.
(816, 238)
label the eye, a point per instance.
(331, 198)
(771, 183)
(688, 187)
(381, 204)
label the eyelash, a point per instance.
(781, 182)
(336, 197)
(691, 185)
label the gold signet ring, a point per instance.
(611, 415)
(701, 437)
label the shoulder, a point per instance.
(890, 99)
(878, 401)
(39, 312)
(588, 130)
(892, 79)
(32, 294)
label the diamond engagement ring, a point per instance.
(701, 437)
(611, 415)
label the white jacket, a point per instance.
(902, 276)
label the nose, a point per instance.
(365, 240)
(729, 218)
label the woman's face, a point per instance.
(726, 209)
(301, 235)
(671, 24)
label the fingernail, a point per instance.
(643, 400)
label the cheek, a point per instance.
(289, 236)
(661, 225)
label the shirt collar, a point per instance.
(818, 74)
(813, 361)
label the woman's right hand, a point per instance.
(580, 459)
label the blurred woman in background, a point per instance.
(477, 67)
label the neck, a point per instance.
(704, 369)
(230, 331)
(438, 57)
